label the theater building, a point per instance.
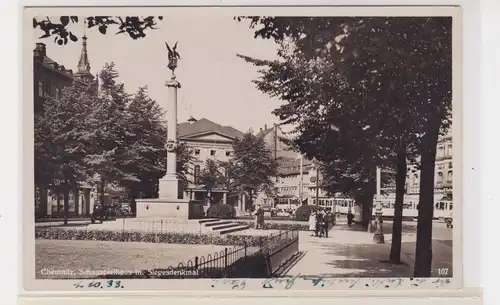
(209, 140)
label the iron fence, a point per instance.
(245, 261)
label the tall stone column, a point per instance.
(168, 187)
(168, 205)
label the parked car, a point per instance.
(102, 213)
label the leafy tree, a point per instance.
(253, 166)
(108, 131)
(135, 26)
(60, 147)
(211, 177)
(144, 143)
(375, 77)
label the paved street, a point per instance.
(350, 253)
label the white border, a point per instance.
(472, 133)
(490, 82)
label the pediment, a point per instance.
(210, 137)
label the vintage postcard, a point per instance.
(242, 150)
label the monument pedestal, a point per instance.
(168, 205)
(163, 208)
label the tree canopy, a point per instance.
(136, 27)
(253, 167)
(360, 89)
(102, 137)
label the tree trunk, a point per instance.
(66, 202)
(397, 223)
(101, 192)
(366, 204)
(132, 194)
(423, 251)
(76, 199)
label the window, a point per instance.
(197, 152)
(449, 177)
(197, 174)
(415, 179)
(228, 153)
(58, 93)
(450, 165)
(440, 178)
(41, 88)
(440, 152)
(212, 152)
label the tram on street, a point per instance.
(442, 208)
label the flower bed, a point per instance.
(278, 226)
(165, 237)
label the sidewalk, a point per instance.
(353, 254)
(442, 254)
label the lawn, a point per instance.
(63, 259)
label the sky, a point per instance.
(216, 84)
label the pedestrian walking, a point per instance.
(319, 223)
(312, 222)
(350, 217)
(328, 221)
(259, 217)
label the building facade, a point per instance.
(443, 171)
(293, 186)
(274, 141)
(209, 140)
(49, 79)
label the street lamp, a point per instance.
(378, 236)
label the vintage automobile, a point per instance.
(102, 213)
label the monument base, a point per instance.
(168, 186)
(162, 208)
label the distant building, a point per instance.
(273, 137)
(209, 140)
(291, 187)
(49, 79)
(443, 172)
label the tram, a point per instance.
(442, 208)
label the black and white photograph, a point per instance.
(191, 143)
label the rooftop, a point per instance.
(197, 127)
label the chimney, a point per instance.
(261, 129)
(265, 126)
(40, 50)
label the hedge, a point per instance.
(224, 211)
(149, 237)
(278, 226)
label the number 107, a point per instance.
(443, 271)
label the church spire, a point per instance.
(83, 72)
